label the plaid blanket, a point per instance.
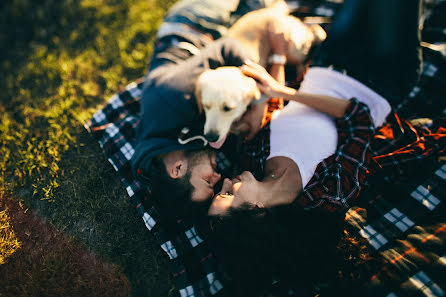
(401, 216)
(191, 263)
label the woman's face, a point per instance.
(241, 189)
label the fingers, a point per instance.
(254, 65)
(251, 135)
(227, 186)
(240, 128)
(262, 88)
(254, 70)
(251, 72)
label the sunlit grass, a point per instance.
(77, 54)
(8, 240)
(60, 60)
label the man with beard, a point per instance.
(179, 174)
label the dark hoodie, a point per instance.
(168, 104)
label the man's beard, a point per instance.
(192, 209)
(197, 212)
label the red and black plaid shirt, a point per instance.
(338, 179)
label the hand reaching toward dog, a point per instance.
(251, 122)
(265, 82)
(332, 106)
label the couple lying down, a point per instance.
(320, 143)
(304, 133)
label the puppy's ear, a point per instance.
(318, 33)
(253, 91)
(280, 7)
(198, 94)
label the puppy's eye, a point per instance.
(226, 108)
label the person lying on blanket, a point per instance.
(310, 163)
(183, 50)
(278, 228)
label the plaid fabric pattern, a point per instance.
(402, 213)
(402, 219)
(191, 262)
(404, 223)
(338, 178)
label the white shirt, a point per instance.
(307, 136)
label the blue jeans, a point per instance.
(201, 17)
(378, 43)
(212, 16)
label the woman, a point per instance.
(303, 134)
(259, 238)
(262, 230)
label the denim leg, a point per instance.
(378, 43)
(212, 16)
(246, 6)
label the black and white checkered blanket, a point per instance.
(403, 219)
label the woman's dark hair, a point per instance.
(254, 246)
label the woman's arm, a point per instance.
(268, 85)
(253, 120)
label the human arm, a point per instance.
(268, 85)
(254, 119)
(279, 42)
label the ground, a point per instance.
(66, 225)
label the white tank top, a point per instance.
(307, 136)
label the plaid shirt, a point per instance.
(338, 179)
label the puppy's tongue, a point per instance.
(218, 144)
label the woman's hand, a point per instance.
(251, 122)
(265, 82)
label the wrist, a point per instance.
(288, 93)
(277, 59)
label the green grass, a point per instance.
(59, 60)
(8, 239)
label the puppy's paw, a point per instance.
(319, 33)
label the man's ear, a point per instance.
(178, 169)
(198, 94)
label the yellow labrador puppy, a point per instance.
(225, 93)
(251, 31)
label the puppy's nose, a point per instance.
(211, 136)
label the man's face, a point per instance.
(203, 175)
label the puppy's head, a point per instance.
(223, 94)
(302, 37)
